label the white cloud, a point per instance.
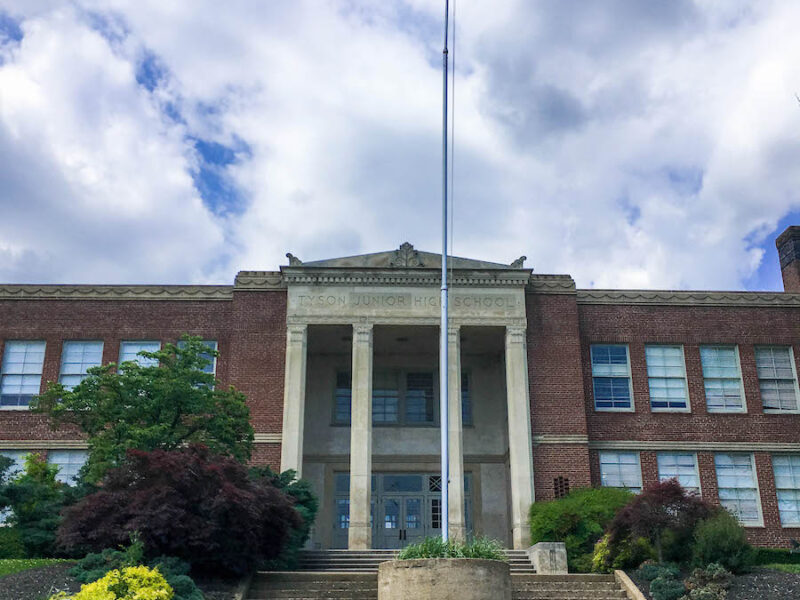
(630, 144)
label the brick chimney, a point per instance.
(788, 244)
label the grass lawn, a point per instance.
(15, 565)
(788, 568)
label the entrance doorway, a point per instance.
(405, 508)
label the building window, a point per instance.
(69, 463)
(722, 378)
(666, 377)
(787, 484)
(385, 398)
(738, 491)
(18, 466)
(129, 352)
(342, 399)
(419, 398)
(611, 376)
(76, 359)
(21, 373)
(776, 378)
(466, 400)
(621, 470)
(680, 466)
(211, 367)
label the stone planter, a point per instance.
(444, 579)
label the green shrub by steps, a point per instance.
(435, 547)
(771, 556)
(666, 588)
(176, 571)
(579, 520)
(651, 571)
(721, 539)
(11, 543)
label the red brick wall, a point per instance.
(692, 327)
(554, 460)
(250, 331)
(266, 454)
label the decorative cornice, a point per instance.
(680, 298)
(551, 284)
(547, 438)
(43, 445)
(115, 292)
(267, 438)
(255, 281)
(416, 277)
(696, 446)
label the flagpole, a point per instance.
(443, 329)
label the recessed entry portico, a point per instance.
(361, 406)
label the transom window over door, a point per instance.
(776, 378)
(722, 378)
(666, 377)
(611, 377)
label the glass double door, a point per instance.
(405, 520)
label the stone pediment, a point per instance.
(405, 257)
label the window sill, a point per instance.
(685, 411)
(726, 412)
(615, 410)
(15, 408)
(777, 411)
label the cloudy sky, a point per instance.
(630, 144)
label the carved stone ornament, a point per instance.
(406, 257)
(293, 260)
(517, 264)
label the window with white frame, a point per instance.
(787, 484)
(621, 470)
(776, 378)
(385, 398)
(76, 358)
(18, 456)
(129, 352)
(680, 466)
(69, 463)
(21, 373)
(666, 377)
(611, 377)
(738, 490)
(722, 378)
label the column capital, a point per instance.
(516, 334)
(454, 333)
(296, 333)
(362, 333)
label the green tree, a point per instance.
(165, 405)
(36, 499)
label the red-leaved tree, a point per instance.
(187, 503)
(662, 509)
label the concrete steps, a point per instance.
(367, 561)
(332, 585)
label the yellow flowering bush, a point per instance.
(132, 583)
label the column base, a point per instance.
(359, 537)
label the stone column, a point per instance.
(456, 497)
(294, 398)
(360, 532)
(519, 434)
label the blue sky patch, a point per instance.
(211, 178)
(768, 275)
(150, 72)
(9, 28)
